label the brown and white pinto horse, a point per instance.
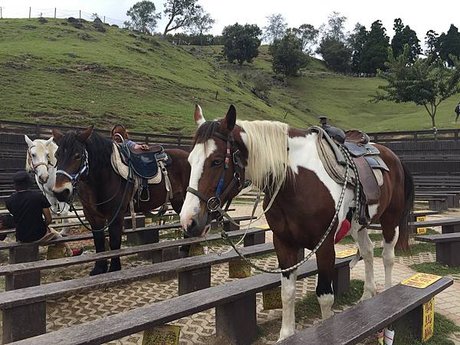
(84, 168)
(273, 155)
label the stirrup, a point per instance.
(142, 192)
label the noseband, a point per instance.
(214, 203)
(83, 170)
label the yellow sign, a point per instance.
(346, 253)
(265, 226)
(421, 231)
(428, 320)
(162, 335)
(421, 280)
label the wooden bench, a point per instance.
(235, 304)
(448, 224)
(366, 318)
(447, 247)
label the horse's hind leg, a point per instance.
(366, 249)
(325, 258)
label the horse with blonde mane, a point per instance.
(305, 207)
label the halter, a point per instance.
(83, 170)
(214, 203)
(35, 166)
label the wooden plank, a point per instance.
(39, 293)
(76, 260)
(366, 318)
(449, 237)
(126, 323)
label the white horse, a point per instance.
(41, 161)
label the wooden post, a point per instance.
(55, 13)
(341, 280)
(236, 322)
(33, 315)
(30, 12)
(194, 280)
(23, 253)
(448, 253)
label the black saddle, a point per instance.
(144, 163)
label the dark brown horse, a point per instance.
(306, 202)
(84, 168)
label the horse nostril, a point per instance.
(63, 195)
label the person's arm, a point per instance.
(47, 215)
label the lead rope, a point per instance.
(323, 238)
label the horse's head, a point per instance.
(40, 157)
(217, 171)
(72, 161)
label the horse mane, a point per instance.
(267, 145)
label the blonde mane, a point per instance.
(267, 144)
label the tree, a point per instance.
(432, 44)
(356, 41)
(449, 45)
(143, 16)
(180, 14)
(308, 36)
(335, 54)
(405, 35)
(333, 48)
(375, 49)
(275, 28)
(426, 82)
(241, 43)
(288, 57)
(201, 24)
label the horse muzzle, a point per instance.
(196, 226)
(63, 194)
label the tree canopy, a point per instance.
(275, 28)
(180, 14)
(241, 43)
(143, 16)
(426, 82)
(288, 57)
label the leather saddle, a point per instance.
(144, 163)
(366, 158)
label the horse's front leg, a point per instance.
(97, 225)
(366, 249)
(287, 257)
(325, 260)
(115, 241)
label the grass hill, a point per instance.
(58, 73)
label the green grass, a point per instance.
(54, 73)
(414, 250)
(435, 268)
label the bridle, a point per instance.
(36, 165)
(214, 203)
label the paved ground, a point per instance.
(199, 328)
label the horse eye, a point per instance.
(34, 155)
(77, 156)
(217, 162)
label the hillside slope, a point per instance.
(56, 73)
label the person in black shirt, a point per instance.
(31, 213)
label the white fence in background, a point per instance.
(36, 12)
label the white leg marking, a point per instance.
(389, 258)
(196, 159)
(325, 302)
(366, 248)
(288, 299)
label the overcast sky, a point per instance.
(421, 15)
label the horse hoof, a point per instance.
(97, 270)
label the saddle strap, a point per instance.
(368, 181)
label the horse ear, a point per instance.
(84, 135)
(49, 141)
(230, 119)
(199, 118)
(57, 135)
(28, 140)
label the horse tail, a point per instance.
(409, 197)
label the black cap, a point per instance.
(21, 177)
